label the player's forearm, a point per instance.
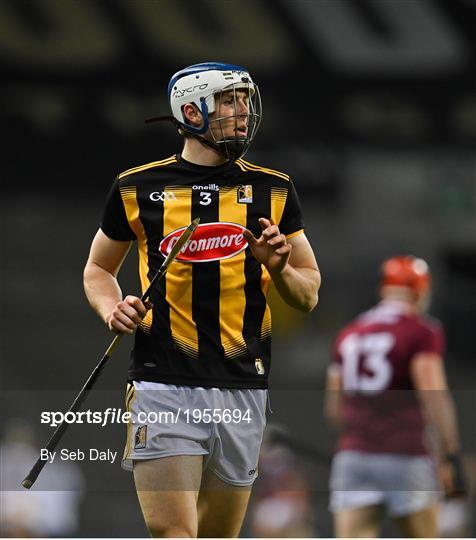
(333, 409)
(298, 286)
(333, 397)
(102, 290)
(441, 414)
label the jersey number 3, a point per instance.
(366, 367)
(205, 198)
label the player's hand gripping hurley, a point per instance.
(59, 432)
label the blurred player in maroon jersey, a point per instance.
(386, 382)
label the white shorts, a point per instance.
(226, 425)
(403, 484)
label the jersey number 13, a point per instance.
(366, 367)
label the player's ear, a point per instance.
(192, 115)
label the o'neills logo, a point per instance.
(209, 242)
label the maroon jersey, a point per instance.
(381, 412)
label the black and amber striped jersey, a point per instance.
(210, 325)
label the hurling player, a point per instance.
(202, 345)
(386, 381)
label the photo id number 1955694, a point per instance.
(217, 416)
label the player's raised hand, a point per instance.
(271, 248)
(128, 314)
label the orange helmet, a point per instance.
(406, 271)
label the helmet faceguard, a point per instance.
(206, 85)
(235, 146)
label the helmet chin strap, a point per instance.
(230, 149)
(211, 144)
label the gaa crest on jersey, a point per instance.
(245, 194)
(209, 242)
(140, 438)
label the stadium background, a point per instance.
(369, 105)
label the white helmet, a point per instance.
(199, 84)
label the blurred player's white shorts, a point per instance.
(225, 425)
(404, 484)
